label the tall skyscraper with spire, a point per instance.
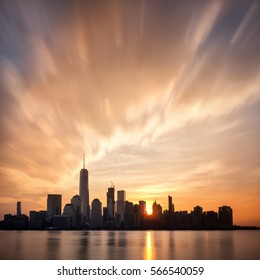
(84, 193)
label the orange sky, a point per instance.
(163, 98)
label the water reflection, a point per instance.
(226, 245)
(18, 246)
(111, 238)
(53, 245)
(149, 246)
(122, 245)
(171, 245)
(82, 248)
(132, 245)
(122, 241)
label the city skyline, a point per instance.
(117, 205)
(117, 214)
(162, 97)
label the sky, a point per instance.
(163, 97)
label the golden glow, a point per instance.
(149, 209)
(149, 246)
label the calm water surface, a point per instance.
(132, 245)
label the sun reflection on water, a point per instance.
(149, 247)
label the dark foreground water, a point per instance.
(132, 245)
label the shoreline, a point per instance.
(234, 228)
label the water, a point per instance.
(131, 245)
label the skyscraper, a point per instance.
(19, 208)
(84, 193)
(225, 214)
(121, 204)
(142, 205)
(111, 203)
(157, 211)
(129, 215)
(197, 216)
(170, 204)
(76, 202)
(53, 205)
(96, 213)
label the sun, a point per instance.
(149, 209)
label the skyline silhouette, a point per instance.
(135, 217)
(116, 214)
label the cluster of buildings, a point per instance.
(117, 214)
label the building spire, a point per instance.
(84, 161)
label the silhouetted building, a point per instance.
(96, 214)
(197, 216)
(19, 208)
(118, 223)
(142, 213)
(76, 202)
(71, 211)
(105, 215)
(169, 215)
(61, 222)
(121, 196)
(137, 218)
(15, 222)
(181, 218)
(38, 219)
(19, 221)
(225, 214)
(53, 205)
(129, 220)
(34, 216)
(157, 211)
(84, 194)
(170, 204)
(210, 218)
(142, 207)
(111, 204)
